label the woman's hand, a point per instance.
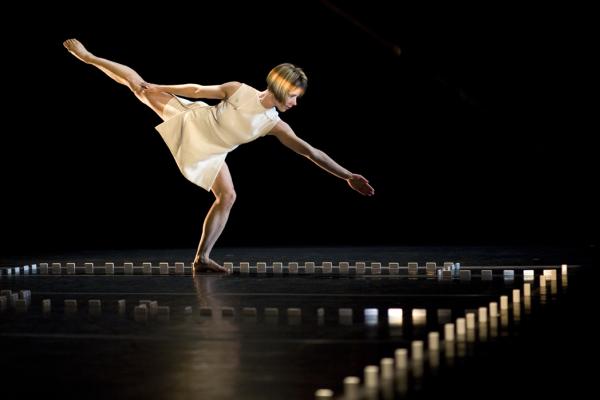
(361, 185)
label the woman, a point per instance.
(200, 136)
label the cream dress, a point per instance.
(200, 136)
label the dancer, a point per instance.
(199, 136)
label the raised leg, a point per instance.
(121, 74)
(215, 221)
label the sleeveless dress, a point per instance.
(200, 136)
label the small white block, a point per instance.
(528, 275)
(527, 290)
(344, 267)
(449, 332)
(395, 316)
(461, 327)
(94, 306)
(3, 303)
(46, 306)
(109, 268)
(482, 314)
(56, 268)
(147, 267)
(187, 310)
(163, 267)
(419, 316)
(261, 267)
(387, 368)
(70, 268)
(327, 267)
(412, 268)
(564, 269)
(465, 275)
(179, 268)
(376, 268)
(360, 267)
(351, 387)
(323, 394)
(293, 267)
(121, 306)
(543, 281)
(503, 302)
(401, 357)
(493, 309)
(509, 274)
(294, 311)
(394, 268)
(487, 275)
(371, 376)
(309, 267)
(12, 299)
(550, 274)
(26, 269)
(277, 267)
(416, 348)
(44, 268)
(128, 268)
(516, 295)
(448, 265)
(430, 268)
(244, 268)
(89, 268)
(433, 340)
(228, 266)
(470, 317)
(70, 305)
(153, 308)
(447, 275)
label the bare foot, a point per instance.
(77, 49)
(209, 266)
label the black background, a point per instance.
(477, 133)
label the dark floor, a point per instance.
(540, 351)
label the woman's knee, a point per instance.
(227, 197)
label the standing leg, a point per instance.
(121, 74)
(215, 221)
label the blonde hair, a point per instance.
(284, 78)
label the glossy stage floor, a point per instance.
(285, 331)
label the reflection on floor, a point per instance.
(364, 323)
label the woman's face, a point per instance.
(290, 100)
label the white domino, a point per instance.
(344, 267)
(244, 268)
(163, 268)
(147, 268)
(128, 268)
(95, 306)
(44, 268)
(360, 267)
(293, 267)
(394, 268)
(465, 275)
(109, 268)
(528, 275)
(309, 267)
(140, 313)
(70, 268)
(89, 268)
(56, 268)
(261, 267)
(413, 268)
(486, 275)
(509, 274)
(179, 268)
(376, 268)
(327, 267)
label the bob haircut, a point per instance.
(284, 78)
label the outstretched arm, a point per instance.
(195, 91)
(288, 138)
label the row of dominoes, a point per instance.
(393, 373)
(447, 272)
